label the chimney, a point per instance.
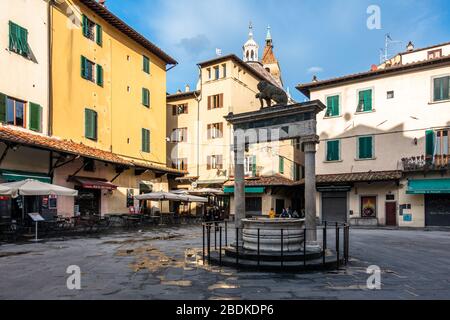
(314, 79)
(179, 91)
(102, 2)
(188, 88)
(410, 47)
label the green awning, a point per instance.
(11, 176)
(247, 189)
(428, 186)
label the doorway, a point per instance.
(279, 206)
(391, 214)
(88, 201)
(334, 207)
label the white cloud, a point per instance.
(315, 70)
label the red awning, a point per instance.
(88, 183)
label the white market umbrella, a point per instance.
(159, 196)
(190, 198)
(31, 187)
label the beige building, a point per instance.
(383, 156)
(201, 139)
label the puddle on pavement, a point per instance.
(177, 283)
(145, 239)
(222, 285)
(12, 254)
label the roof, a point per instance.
(268, 55)
(371, 176)
(120, 25)
(275, 180)
(182, 95)
(24, 137)
(308, 87)
(253, 67)
(426, 48)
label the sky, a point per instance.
(327, 38)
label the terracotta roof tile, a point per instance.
(360, 177)
(25, 137)
(275, 180)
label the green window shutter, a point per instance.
(145, 140)
(254, 166)
(83, 67)
(281, 165)
(367, 100)
(145, 97)
(441, 89)
(85, 26)
(90, 118)
(13, 40)
(430, 142)
(146, 64)
(333, 150)
(333, 106)
(365, 148)
(24, 41)
(100, 75)
(35, 122)
(99, 35)
(2, 108)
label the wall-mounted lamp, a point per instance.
(415, 141)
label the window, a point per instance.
(92, 31)
(12, 111)
(88, 28)
(146, 97)
(209, 73)
(364, 101)
(180, 135)
(35, 122)
(281, 164)
(87, 69)
(215, 102)
(216, 72)
(145, 140)
(437, 143)
(180, 164)
(146, 64)
(365, 148)
(434, 54)
(224, 68)
(390, 95)
(332, 106)
(215, 162)
(253, 205)
(441, 89)
(250, 166)
(18, 39)
(368, 207)
(180, 109)
(90, 124)
(333, 150)
(215, 131)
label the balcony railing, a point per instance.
(426, 163)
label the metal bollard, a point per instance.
(304, 247)
(259, 258)
(337, 247)
(282, 248)
(237, 247)
(220, 246)
(203, 240)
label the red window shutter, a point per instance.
(221, 100)
(208, 164)
(209, 103)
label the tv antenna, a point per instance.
(385, 53)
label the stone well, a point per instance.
(270, 234)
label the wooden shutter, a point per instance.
(83, 67)
(368, 100)
(35, 122)
(85, 26)
(208, 163)
(430, 137)
(146, 62)
(99, 34)
(208, 131)
(90, 120)
(174, 110)
(145, 97)
(2, 108)
(365, 147)
(100, 75)
(209, 102)
(220, 162)
(281, 165)
(333, 150)
(145, 140)
(13, 36)
(221, 100)
(254, 166)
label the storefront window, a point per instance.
(368, 207)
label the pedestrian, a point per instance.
(272, 214)
(285, 214)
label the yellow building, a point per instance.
(108, 92)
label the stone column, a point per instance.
(239, 185)
(310, 191)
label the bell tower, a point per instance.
(269, 61)
(251, 48)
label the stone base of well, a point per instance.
(271, 231)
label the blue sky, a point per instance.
(329, 37)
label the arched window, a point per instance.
(268, 70)
(247, 54)
(253, 55)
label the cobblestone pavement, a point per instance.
(161, 264)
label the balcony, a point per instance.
(426, 163)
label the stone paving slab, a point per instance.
(166, 264)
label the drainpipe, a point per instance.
(50, 76)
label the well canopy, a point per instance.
(32, 187)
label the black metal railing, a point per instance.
(340, 254)
(426, 163)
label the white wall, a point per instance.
(421, 55)
(23, 78)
